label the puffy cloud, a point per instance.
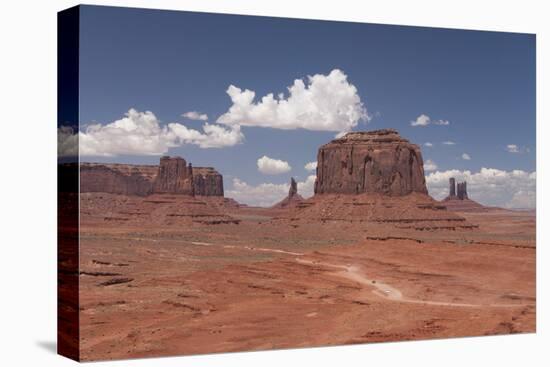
(448, 142)
(214, 136)
(271, 166)
(430, 165)
(422, 120)
(140, 133)
(322, 103)
(194, 115)
(512, 148)
(489, 186)
(466, 156)
(428, 144)
(267, 194)
(311, 166)
(425, 120)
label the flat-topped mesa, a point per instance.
(174, 177)
(378, 161)
(117, 178)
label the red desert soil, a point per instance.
(167, 275)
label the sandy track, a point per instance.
(350, 272)
(386, 291)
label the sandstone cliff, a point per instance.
(115, 179)
(377, 161)
(207, 181)
(173, 176)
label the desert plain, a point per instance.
(257, 278)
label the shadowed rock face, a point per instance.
(172, 176)
(116, 179)
(293, 190)
(377, 161)
(457, 190)
(207, 181)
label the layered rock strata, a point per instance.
(379, 161)
(173, 175)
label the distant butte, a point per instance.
(173, 175)
(458, 200)
(373, 177)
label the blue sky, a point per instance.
(482, 83)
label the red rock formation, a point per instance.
(452, 187)
(293, 197)
(174, 177)
(377, 161)
(207, 181)
(116, 179)
(458, 200)
(461, 190)
(457, 190)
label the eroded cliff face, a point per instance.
(115, 179)
(172, 176)
(207, 181)
(377, 161)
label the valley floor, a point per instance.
(257, 283)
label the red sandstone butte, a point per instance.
(207, 181)
(378, 161)
(171, 176)
(174, 177)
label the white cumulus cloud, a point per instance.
(311, 166)
(214, 136)
(266, 194)
(448, 142)
(489, 186)
(466, 156)
(428, 144)
(140, 133)
(271, 166)
(322, 103)
(425, 120)
(422, 120)
(430, 165)
(194, 115)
